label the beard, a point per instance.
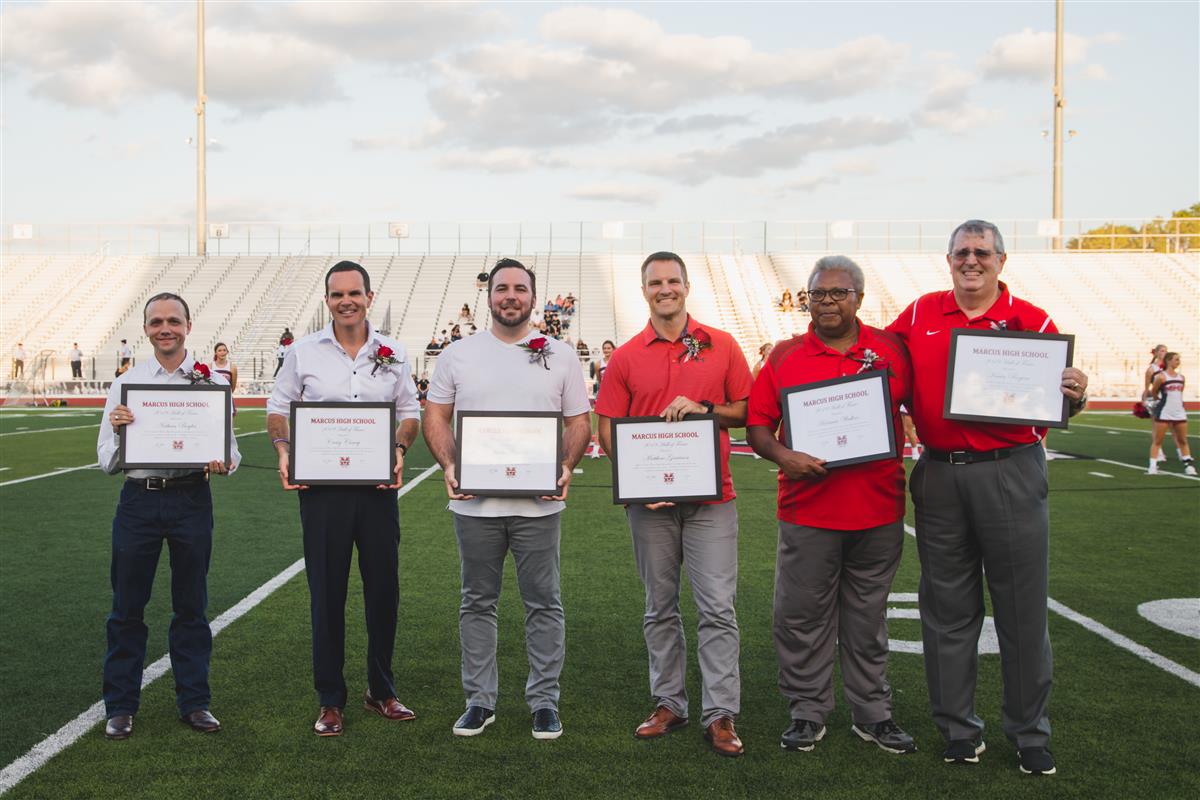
(511, 323)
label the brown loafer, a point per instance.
(660, 723)
(722, 737)
(391, 708)
(201, 720)
(330, 722)
(119, 727)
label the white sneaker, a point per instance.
(1153, 470)
(1189, 470)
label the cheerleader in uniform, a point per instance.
(1169, 412)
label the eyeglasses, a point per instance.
(980, 254)
(817, 295)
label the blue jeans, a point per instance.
(183, 517)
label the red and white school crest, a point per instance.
(176, 444)
(668, 477)
(841, 440)
(510, 472)
(344, 460)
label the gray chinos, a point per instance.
(831, 591)
(702, 539)
(483, 543)
(988, 517)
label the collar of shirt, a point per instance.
(650, 335)
(997, 312)
(326, 335)
(813, 345)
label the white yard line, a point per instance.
(1120, 640)
(1145, 433)
(1142, 468)
(65, 470)
(51, 430)
(68, 734)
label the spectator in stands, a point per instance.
(434, 347)
(785, 302)
(841, 529)
(1169, 412)
(673, 367)
(764, 350)
(75, 356)
(473, 330)
(223, 365)
(444, 338)
(464, 315)
(802, 301)
(280, 354)
(125, 354)
(569, 304)
(422, 388)
(159, 505)
(481, 280)
(582, 349)
(455, 333)
(336, 520)
(18, 360)
(980, 495)
(596, 368)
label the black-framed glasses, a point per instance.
(980, 254)
(817, 295)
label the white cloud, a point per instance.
(948, 106)
(1029, 55)
(855, 166)
(499, 160)
(807, 183)
(699, 122)
(1095, 72)
(779, 149)
(616, 193)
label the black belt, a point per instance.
(157, 484)
(975, 456)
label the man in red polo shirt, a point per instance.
(675, 367)
(979, 491)
(841, 530)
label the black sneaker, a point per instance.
(473, 721)
(546, 724)
(888, 735)
(1036, 761)
(964, 751)
(802, 735)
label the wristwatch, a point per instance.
(403, 448)
(708, 406)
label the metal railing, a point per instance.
(640, 237)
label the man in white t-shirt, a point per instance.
(75, 356)
(509, 368)
(126, 353)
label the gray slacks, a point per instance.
(988, 517)
(483, 543)
(703, 539)
(831, 590)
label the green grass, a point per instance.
(1121, 726)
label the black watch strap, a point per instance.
(708, 406)
(403, 448)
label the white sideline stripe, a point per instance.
(68, 734)
(51, 430)
(1143, 469)
(1120, 430)
(1120, 640)
(65, 470)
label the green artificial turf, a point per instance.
(1121, 726)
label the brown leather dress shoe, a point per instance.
(119, 727)
(390, 708)
(660, 723)
(723, 738)
(201, 720)
(330, 722)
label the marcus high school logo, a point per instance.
(841, 441)
(176, 444)
(344, 460)
(510, 472)
(668, 477)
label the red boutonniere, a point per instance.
(538, 350)
(695, 343)
(870, 360)
(384, 357)
(200, 374)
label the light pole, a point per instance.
(201, 140)
(1059, 102)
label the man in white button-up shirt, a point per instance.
(159, 504)
(509, 368)
(339, 364)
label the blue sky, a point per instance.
(720, 111)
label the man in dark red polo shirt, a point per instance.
(675, 367)
(980, 492)
(841, 530)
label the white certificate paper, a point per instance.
(508, 453)
(343, 443)
(843, 421)
(1007, 377)
(175, 426)
(654, 461)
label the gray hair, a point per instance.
(839, 264)
(980, 227)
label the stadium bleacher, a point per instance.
(1118, 304)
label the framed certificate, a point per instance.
(342, 444)
(1008, 377)
(843, 420)
(508, 453)
(175, 426)
(655, 461)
